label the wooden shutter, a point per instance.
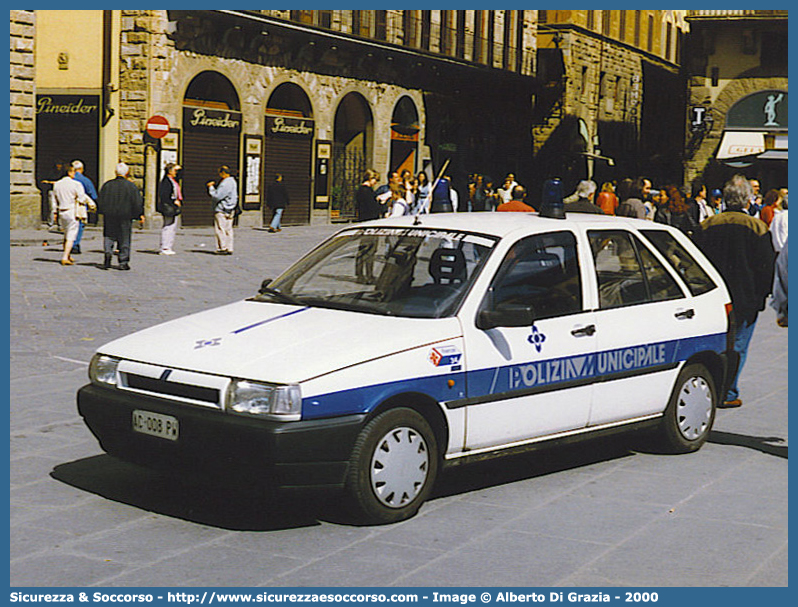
(292, 156)
(204, 151)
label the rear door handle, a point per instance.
(588, 330)
(682, 314)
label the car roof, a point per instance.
(502, 224)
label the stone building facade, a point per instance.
(316, 95)
(25, 197)
(610, 85)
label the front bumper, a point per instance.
(311, 453)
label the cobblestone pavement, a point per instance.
(593, 515)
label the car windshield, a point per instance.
(409, 272)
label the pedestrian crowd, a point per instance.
(72, 199)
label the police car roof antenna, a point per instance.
(417, 220)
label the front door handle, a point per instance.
(682, 314)
(589, 330)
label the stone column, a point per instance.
(25, 200)
(134, 78)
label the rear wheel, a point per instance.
(690, 413)
(393, 466)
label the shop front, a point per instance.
(211, 138)
(289, 133)
(67, 129)
(754, 140)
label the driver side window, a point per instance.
(541, 271)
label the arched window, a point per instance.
(214, 90)
(289, 99)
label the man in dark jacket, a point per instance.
(120, 203)
(740, 247)
(368, 207)
(276, 200)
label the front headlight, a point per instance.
(256, 399)
(102, 370)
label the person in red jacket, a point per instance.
(770, 206)
(517, 202)
(606, 199)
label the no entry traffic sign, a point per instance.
(157, 127)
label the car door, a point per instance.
(529, 349)
(644, 315)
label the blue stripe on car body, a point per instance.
(519, 379)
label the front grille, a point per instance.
(170, 388)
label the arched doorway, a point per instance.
(352, 149)
(289, 150)
(211, 138)
(404, 136)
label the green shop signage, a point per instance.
(761, 111)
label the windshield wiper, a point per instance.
(280, 296)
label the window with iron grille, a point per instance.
(460, 35)
(446, 32)
(638, 17)
(479, 37)
(361, 23)
(519, 41)
(426, 27)
(381, 25)
(668, 40)
(622, 27)
(325, 19)
(409, 28)
(490, 37)
(507, 39)
(650, 45)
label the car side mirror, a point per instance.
(506, 316)
(265, 285)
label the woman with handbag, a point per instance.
(170, 199)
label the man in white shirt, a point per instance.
(453, 195)
(506, 191)
(778, 227)
(71, 202)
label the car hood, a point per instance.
(277, 343)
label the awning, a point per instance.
(773, 155)
(741, 143)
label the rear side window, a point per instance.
(627, 272)
(698, 281)
(543, 272)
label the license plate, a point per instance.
(156, 424)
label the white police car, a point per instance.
(403, 345)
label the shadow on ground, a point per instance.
(764, 444)
(231, 505)
(250, 506)
(525, 466)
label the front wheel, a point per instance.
(691, 411)
(393, 466)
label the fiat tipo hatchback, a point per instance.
(401, 346)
